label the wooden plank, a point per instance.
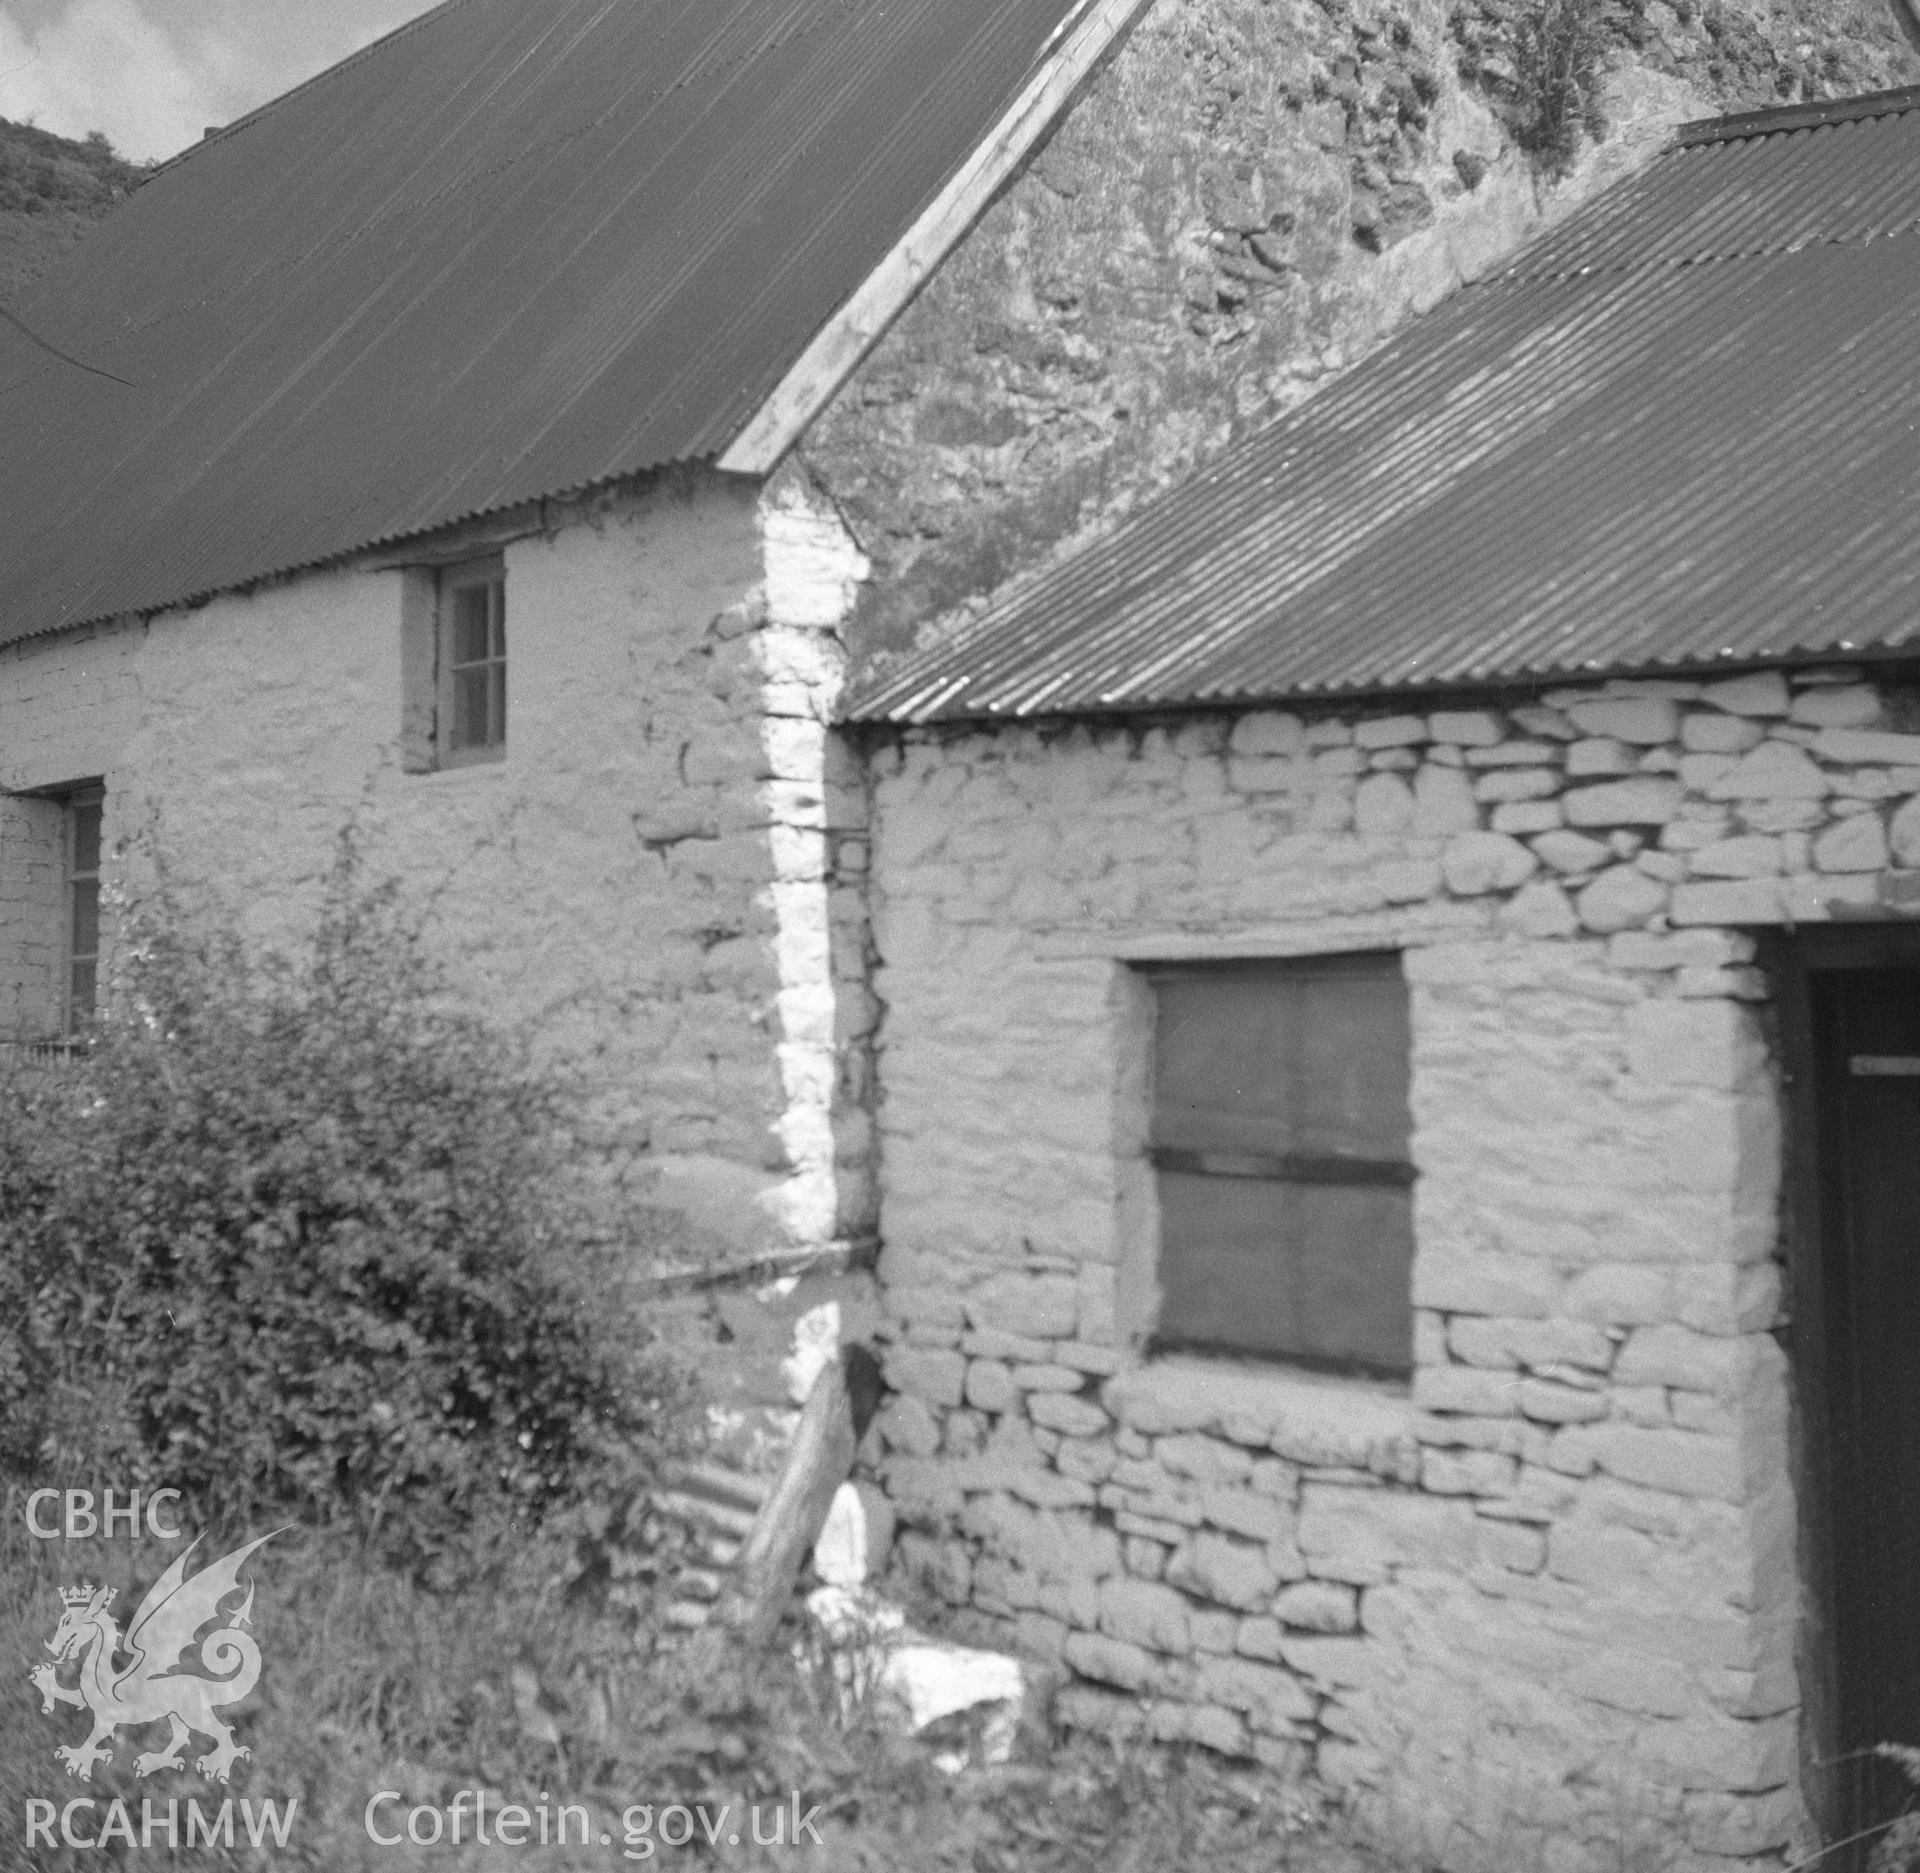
(838, 1411)
(847, 337)
(1287, 1167)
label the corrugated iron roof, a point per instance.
(517, 248)
(1680, 431)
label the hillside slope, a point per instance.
(52, 190)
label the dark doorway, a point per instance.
(1853, 1020)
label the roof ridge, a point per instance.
(223, 131)
(1778, 119)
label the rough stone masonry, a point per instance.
(1553, 1586)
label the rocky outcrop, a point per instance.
(1248, 198)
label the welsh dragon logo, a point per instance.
(149, 1686)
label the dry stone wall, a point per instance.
(1552, 1585)
(644, 882)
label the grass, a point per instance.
(371, 1683)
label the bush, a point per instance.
(306, 1236)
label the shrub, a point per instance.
(1557, 52)
(306, 1235)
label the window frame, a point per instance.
(1296, 1169)
(489, 574)
(73, 879)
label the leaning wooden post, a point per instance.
(838, 1411)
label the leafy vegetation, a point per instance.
(305, 1237)
(52, 190)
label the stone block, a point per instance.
(1516, 783)
(1719, 1297)
(1867, 746)
(906, 1425)
(1258, 1636)
(1070, 1415)
(1478, 862)
(1646, 800)
(1642, 720)
(934, 1375)
(1858, 843)
(1686, 949)
(1708, 732)
(1694, 1043)
(1108, 1660)
(1390, 731)
(1540, 910)
(1443, 802)
(1460, 1283)
(1146, 1614)
(1271, 1696)
(1783, 816)
(1047, 1377)
(1473, 1391)
(1681, 1463)
(1536, 718)
(1203, 1459)
(991, 1343)
(1527, 817)
(1590, 760)
(1080, 1456)
(1226, 1571)
(1775, 770)
(1572, 852)
(1621, 898)
(1245, 1512)
(1146, 1558)
(1532, 755)
(1764, 693)
(1466, 728)
(1840, 705)
(1267, 732)
(1904, 833)
(1382, 806)
(990, 1386)
(1038, 1306)
(1737, 901)
(1753, 856)
(1318, 1606)
(1212, 1632)
(1467, 1472)
(1547, 1403)
(1516, 1547)
(1678, 1356)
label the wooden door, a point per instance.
(1864, 1034)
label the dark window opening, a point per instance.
(472, 661)
(1280, 1146)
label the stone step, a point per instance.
(719, 1482)
(703, 1512)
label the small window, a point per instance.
(80, 908)
(471, 663)
(1280, 1148)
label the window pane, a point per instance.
(470, 707)
(1308, 1058)
(80, 1002)
(470, 628)
(497, 612)
(497, 706)
(86, 835)
(1321, 1273)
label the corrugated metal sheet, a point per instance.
(1681, 431)
(518, 248)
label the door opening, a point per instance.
(1851, 1015)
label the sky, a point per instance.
(155, 74)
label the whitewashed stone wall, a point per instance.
(1549, 1595)
(636, 881)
